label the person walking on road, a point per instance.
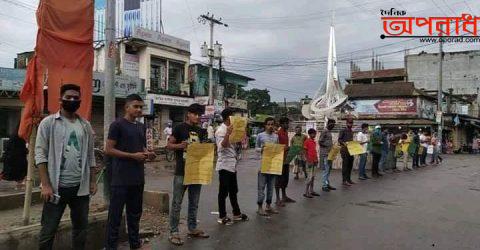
(227, 171)
(346, 135)
(127, 146)
(65, 160)
(266, 180)
(281, 183)
(326, 143)
(362, 138)
(312, 162)
(183, 135)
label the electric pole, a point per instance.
(109, 92)
(440, 91)
(212, 21)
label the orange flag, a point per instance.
(63, 54)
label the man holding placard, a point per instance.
(326, 145)
(346, 135)
(282, 180)
(227, 165)
(183, 135)
(266, 143)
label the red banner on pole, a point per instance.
(63, 54)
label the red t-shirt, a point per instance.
(283, 137)
(310, 150)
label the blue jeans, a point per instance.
(327, 167)
(193, 198)
(383, 160)
(361, 165)
(265, 180)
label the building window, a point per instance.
(158, 75)
(176, 77)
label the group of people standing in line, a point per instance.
(64, 156)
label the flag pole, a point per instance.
(29, 180)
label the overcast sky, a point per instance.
(265, 33)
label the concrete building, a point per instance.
(226, 86)
(160, 62)
(460, 71)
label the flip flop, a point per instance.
(198, 234)
(175, 239)
(271, 211)
(242, 217)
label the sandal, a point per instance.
(262, 213)
(279, 204)
(198, 234)
(315, 194)
(175, 239)
(225, 221)
(241, 217)
(307, 196)
(271, 211)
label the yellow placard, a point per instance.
(355, 148)
(333, 152)
(405, 147)
(272, 159)
(239, 127)
(199, 163)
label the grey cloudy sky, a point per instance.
(266, 37)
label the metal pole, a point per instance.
(109, 93)
(440, 90)
(109, 98)
(210, 71)
(29, 179)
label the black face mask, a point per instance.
(71, 106)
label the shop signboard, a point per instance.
(124, 85)
(171, 100)
(399, 106)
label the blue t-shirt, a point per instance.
(130, 137)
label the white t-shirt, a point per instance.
(423, 141)
(361, 137)
(227, 157)
(210, 132)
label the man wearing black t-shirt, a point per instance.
(183, 135)
(126, 145)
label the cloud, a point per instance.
(269, 32)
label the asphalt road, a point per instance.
(429, 208)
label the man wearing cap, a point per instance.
(183, 135)
(346, 135)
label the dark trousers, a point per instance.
(282, 180)
(347, 165)
(423, 156)
(228, 187)
(52, 213)
(415, 160)
(375, 161)
(130, 197)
